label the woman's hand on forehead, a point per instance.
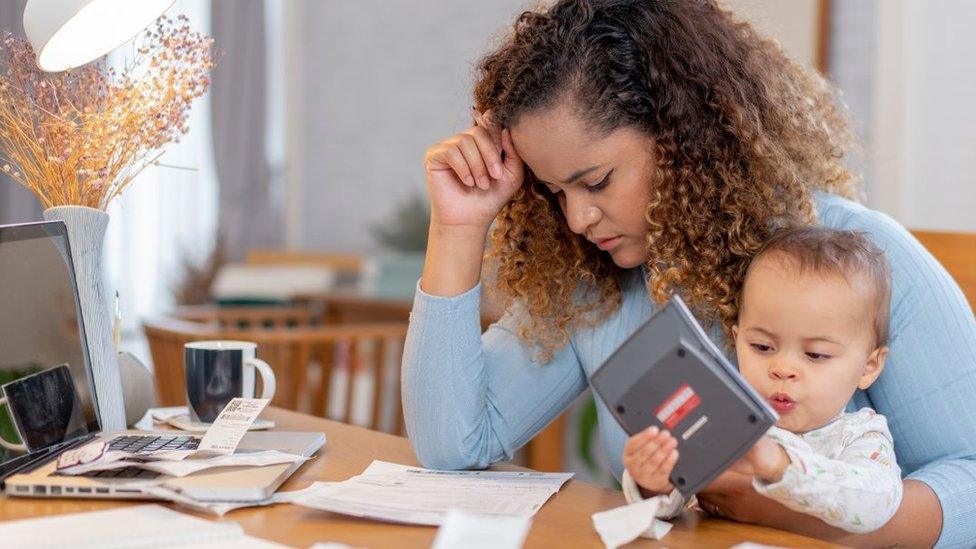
(473, 174)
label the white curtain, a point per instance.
(167, 217)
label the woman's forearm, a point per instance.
(452, 265)
(917, 523)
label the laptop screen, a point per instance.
(44, 369)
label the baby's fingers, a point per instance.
(638, 442)
(657, 450)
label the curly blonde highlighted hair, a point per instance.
(743, 137)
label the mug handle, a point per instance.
(267, 377)
(6, 443)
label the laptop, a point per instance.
(670, 374)
(43, 356)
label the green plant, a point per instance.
(586, 433)
(407, 230)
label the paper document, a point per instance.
(143, 525)
(231, 425)
(400, 493)
(461, 529)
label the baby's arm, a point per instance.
(649, 458)
(858, 491)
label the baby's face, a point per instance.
(806, 341)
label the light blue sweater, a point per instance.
(471, 399)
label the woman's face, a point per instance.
(603, 183)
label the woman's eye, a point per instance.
(761, 347)
(817, 356)
(601, 184)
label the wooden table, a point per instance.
(563, 522)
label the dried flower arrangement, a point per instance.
(79, 137)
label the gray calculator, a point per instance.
(670, 374)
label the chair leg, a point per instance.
(545, 451)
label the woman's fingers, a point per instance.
(450, 156)
(490, 151)
(486, 120)
(476, 163)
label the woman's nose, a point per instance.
(581, 214)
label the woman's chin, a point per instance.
(627, 259)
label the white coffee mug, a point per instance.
(219, 371)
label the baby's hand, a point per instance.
(649, 457)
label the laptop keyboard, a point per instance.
(143, 444)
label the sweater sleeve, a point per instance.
(672, 503)
(471, 399)
(859, 489)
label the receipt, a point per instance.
(624, 524)
(231, 425)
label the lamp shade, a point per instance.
(70, 33)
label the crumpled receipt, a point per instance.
(624, 524)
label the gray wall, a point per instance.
(381, 81)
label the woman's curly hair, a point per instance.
(743, 136)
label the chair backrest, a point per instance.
(349, 373)
(957, 253)
(247, 317)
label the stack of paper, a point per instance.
(400, 493)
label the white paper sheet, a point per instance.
(400, 493)
(624, 524)
(469, 531)
(150, 525)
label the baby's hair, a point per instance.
(844, 253)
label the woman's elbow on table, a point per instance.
(447, 456)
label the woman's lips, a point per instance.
(608, 243)
(781, 402)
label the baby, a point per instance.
(812, 328)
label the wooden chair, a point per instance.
(306, 358)
(305, 354)
(957, 253)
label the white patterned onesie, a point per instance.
(843, 473)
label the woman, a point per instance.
(626, 150)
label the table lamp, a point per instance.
(70, 33)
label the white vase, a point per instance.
(86, 233)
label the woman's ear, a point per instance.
(873, 367)
(735, 332)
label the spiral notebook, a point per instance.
(146, 526)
